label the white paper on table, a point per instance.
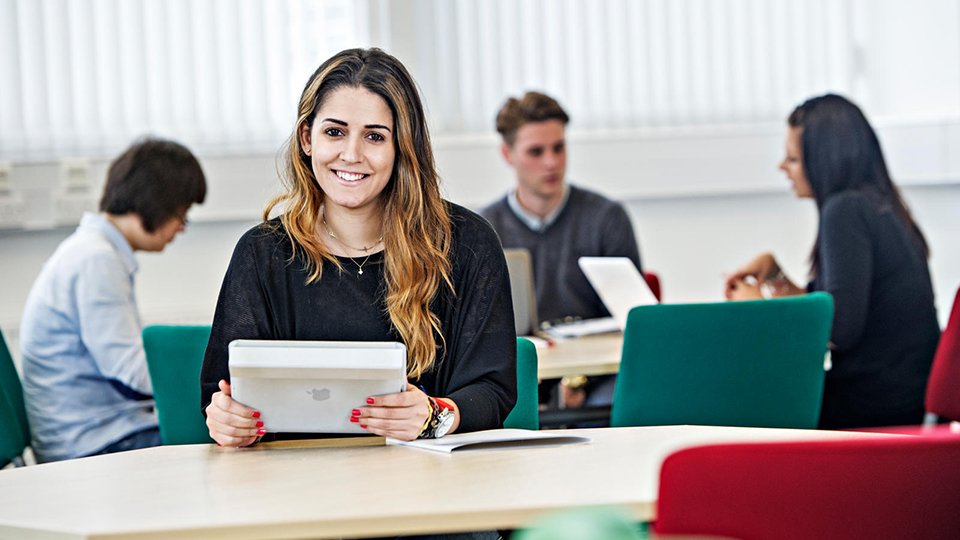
(493, 439)
(585, 327)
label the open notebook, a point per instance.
(493, 439)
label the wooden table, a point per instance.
(202, 491)
(588, 355)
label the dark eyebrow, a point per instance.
(342, 123)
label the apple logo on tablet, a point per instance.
(320, 394)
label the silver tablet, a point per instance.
(312, 386)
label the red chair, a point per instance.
(943, 386)
(889, 488)
(653, 281)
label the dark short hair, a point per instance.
(155, 179)
(532, 107)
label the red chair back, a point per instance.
(890, 488)
(653, 281)
(943, 386)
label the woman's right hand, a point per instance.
(759, 269)
(229, 422)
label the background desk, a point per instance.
(202, 491)
(588, 355)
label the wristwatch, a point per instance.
(441, 419)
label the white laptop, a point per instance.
(619, 285)
(520, 268)
(312, 386)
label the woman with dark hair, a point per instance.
(367, 250)
(870, 256)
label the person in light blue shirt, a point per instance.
(85, 378)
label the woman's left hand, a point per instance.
(741, 290)
(399, 415)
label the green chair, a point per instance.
(14, 428)
(757, 363)
(593, 523)
(174, 358)
(525, 414)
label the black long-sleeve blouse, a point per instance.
(885, 328)
(265, 296)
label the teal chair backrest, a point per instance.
(593, 523)
(525, 414)
(14, 428)
(756, 363)
(174, 357)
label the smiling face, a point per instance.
(792, 164)
(351, 148)
(539, 155)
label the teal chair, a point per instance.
(525, 414)
(14, 428)
(174, 358)
(591, 523)
(757, 363)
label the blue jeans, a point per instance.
(141, 439)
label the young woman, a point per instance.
(870, 256)
(367, 250)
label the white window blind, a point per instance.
(632, 63)
(85, 77)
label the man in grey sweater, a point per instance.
(556, 222)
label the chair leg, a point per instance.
(930, 419)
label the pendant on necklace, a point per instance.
(360, 272)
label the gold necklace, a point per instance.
(360, 266)
(323, 218)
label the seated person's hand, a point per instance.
(229, 422)
(759, 269)
(573, 398)
(743, 290)
(572, 391)
(399, 415)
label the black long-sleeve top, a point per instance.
(885, 328)
(265, 296)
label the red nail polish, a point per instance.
(354, 419)
(259, 423)
(370, 400)
(363, 426)
(261, 432)
(356, 412)
(218, 444)
(256, 414)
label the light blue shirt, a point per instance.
(531, 220)
(86, 383)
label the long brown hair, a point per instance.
(417, 230)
